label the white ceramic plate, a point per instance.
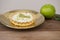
(39, 19)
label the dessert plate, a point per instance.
(5, 20)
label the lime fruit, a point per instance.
(48, 10)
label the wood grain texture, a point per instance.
(42, 35)
(49, 30)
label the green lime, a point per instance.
(48, 10)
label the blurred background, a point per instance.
(7, 5)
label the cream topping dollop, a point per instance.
(22, 17)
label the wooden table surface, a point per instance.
(49, 30)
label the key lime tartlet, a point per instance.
(22, 19)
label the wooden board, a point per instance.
(49, 30)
